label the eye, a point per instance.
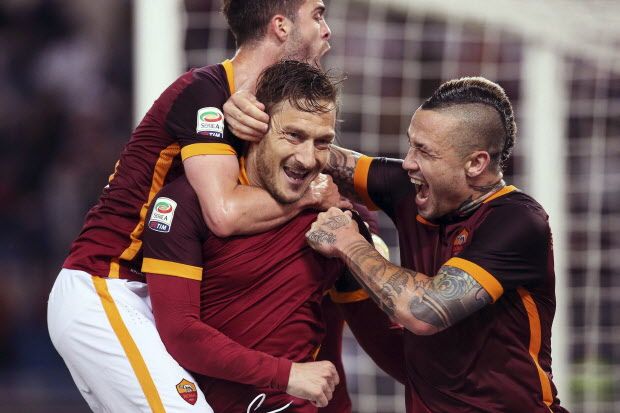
(322, 145)
(293, 137)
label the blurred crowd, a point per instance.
(65, 112)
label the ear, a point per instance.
(477, 163)
(280, 26)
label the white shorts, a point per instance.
(105, 332)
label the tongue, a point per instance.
(423, 191)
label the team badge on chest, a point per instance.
(187, 390)
(210, 122)
(163, 212)
(459, 242)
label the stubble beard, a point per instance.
(297, 50)
(269, 180)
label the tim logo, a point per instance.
(162, 215)
(210, 121)
(459, 242)
(187, 390)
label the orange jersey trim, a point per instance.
(505, 190)
(114, 268)
(360, 181)
(129, 346)
(230, 75)
(162, 166)
(176, 269)
(422, 220)
(484, 278)
(207, 149)
(535, 340)
(243, 175)
(349, 297)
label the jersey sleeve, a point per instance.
(196, 118)
(174, 230)
(509, 249)
(381, 183)
(200, 348)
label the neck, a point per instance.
(251, 168)
(250, 60)
(480, 194)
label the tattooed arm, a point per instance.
(341, 166)
(422, 304)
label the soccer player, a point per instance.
(91, 317)
(476, 290)
(243, 312)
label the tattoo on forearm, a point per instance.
(342, 168)
(398, 281)
(337, 222)
(322, 237)
(369, 267)
(440, 301)
(447, 298)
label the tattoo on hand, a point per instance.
(447, 298)
(336, 222)
(322, 237)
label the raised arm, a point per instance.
(229, 208)
(422, 304)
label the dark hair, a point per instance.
(478, 90)
(306, 87)
(248, 19)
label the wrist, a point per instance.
(282, 374)
(345, 247)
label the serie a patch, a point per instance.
(210, 122)
(163, 212)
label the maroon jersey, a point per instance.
(499, 358)
(261, 291)
(186, 120)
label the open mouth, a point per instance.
(422, 190)
(296, 176)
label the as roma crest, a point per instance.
(187, 390)
(459, 242)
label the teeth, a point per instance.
(416, 182)
(296, 174)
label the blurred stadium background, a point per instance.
(74, 83)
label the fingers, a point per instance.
(321, 401)
(245, 108)
(242, 131)
(245, 116)
(344, 203)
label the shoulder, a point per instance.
(519, 207)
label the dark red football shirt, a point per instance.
(186, 120)
(259, 300)
(499, 358)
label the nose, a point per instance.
(410, 164)
(327, 33)
(306, 155)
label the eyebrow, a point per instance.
(303, 134)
